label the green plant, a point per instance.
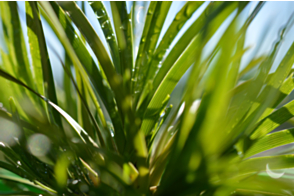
(111, 130)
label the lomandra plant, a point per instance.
(111, 129)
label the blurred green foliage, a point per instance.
(111, 130)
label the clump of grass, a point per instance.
(111, 129)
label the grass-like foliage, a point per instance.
(111, 129)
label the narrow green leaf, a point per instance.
(6, 176)
(35, 190)
(191, 144)
(271, 141)
(259, 109)
(274, 120)
(123, 101)
(43, 75)
(159, 164)
(180, 19)
(16, 62)
(193, 30)
(187, 37)
(285, 89)
(96, 77)
(82, 113)
(16, 44)
(168, 75)
(12, 168)
(138, 63)
(98, 48)
(69, 104)
(165, 135)
(216, 96)
(274, 83)
(123, 29)
(81, 132)
(168, 84)
(83, 107)
(154, 31)
(246, 101)
(104, 20)
(156, 25)
(36, 36)
(74, 124)
(261, 184)
(62, 36)
(261, 163)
